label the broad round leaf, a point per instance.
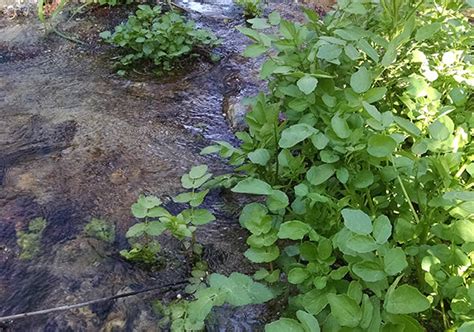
(294, 230)
(295, 134)
(317, 175)
(361, 80)
(405, 299)
(253, 186)
(381, 146)
(307, 84)
(262, 255)
(345, 309)
(382, 229)
(369, 271)
(394, 261)
(357, 221)
(297, 275)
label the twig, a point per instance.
(83, 304)
(72, 39)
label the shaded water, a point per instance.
(77, 141)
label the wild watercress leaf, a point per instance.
(361, 80)
(357, 221)
(295, 134)
(307, 84)
(381, 146)
(345, 309)
(405, 299)
(293, 229)
(252, 186)
(317, 175)
(394, 261)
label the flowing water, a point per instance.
(77, 141)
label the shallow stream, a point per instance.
(78, 141)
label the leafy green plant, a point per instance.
(30, 241)
(251, 8)
(236, 290)
(160, 39)
(101, 230)
(156, 219)
(362, 151)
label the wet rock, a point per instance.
(235, 112)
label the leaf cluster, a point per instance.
(156, 219)
(29, 241)
(160, 39)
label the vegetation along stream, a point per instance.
(339, 198)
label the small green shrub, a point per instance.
(30, 241)
(101, 230)
(156, 219)
(251, 8)
(162, 39)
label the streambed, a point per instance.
(78, 141)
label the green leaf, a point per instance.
(357, 221)
(201, 217)
(284, 324)
(136, 230)
(345, 310)
(139, 211)
(369, 271)
(259, 23)
(253, 186)
(405, 299)
(155, 228)
(342, 174)
(317, 175)
(381, 146)
(408, 126)
(394, 261)
(466, 327)
(382, 229)
(274, 18)
(329, 52)
(427, 31)
(198, 172)
(277, 200)
(307, 84)
(297, 275)
(295, 134)
(308, 321)
(373, 111)
(254, 50)
(294, 230)
(363, 179)
(464, 229)
(361, 80)
(262, 255)
(361, 243)
(340, 127)
(259, 156)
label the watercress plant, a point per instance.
(362, 150)
(159, 39)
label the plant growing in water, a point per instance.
(101, 230)
(251, 8)
(156, 219)
(30, 241)
(160, 39)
